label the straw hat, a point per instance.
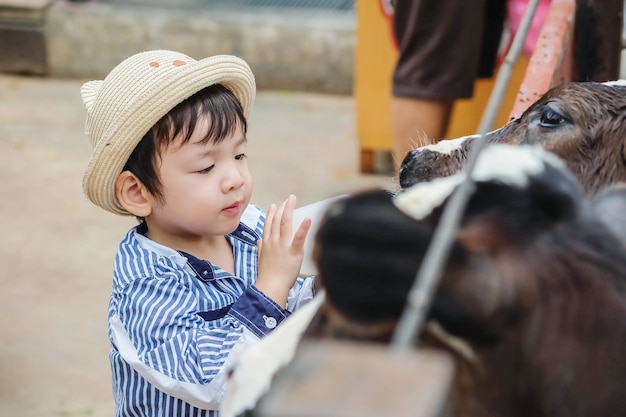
(135, 95)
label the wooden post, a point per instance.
(552, 60)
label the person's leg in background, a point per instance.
(439, 53)
(416, 123)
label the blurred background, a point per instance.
(319, 128)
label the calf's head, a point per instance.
(583, 123)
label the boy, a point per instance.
(193, 283)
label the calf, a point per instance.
(532, 298)
(582, 123)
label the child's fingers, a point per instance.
(269, 220)
(299, 237)
(287, 218)
(278, 219)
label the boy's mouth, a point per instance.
(233, 208)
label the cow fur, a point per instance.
(583, 123)
(532, 298)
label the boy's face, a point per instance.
(206, 187)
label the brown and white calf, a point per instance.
(534, 289)
(583, 123)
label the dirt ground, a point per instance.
(57, 249)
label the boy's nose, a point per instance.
(233, 178)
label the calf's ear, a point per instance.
(609, 206)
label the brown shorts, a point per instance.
(445, 45)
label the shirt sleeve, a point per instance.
(301, 293)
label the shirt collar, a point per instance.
(203, 269)
(245, 234)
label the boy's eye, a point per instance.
(206, 170)
(240, 156)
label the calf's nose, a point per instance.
(417, 167)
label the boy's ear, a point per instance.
(133, 195)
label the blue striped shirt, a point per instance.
(177, 323)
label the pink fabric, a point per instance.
(515, 12)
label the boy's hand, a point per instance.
(281, 251)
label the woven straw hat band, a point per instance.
(135, 95)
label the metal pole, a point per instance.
(429, 273)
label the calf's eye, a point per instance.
(550, 118)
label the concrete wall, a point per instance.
(305, 50)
